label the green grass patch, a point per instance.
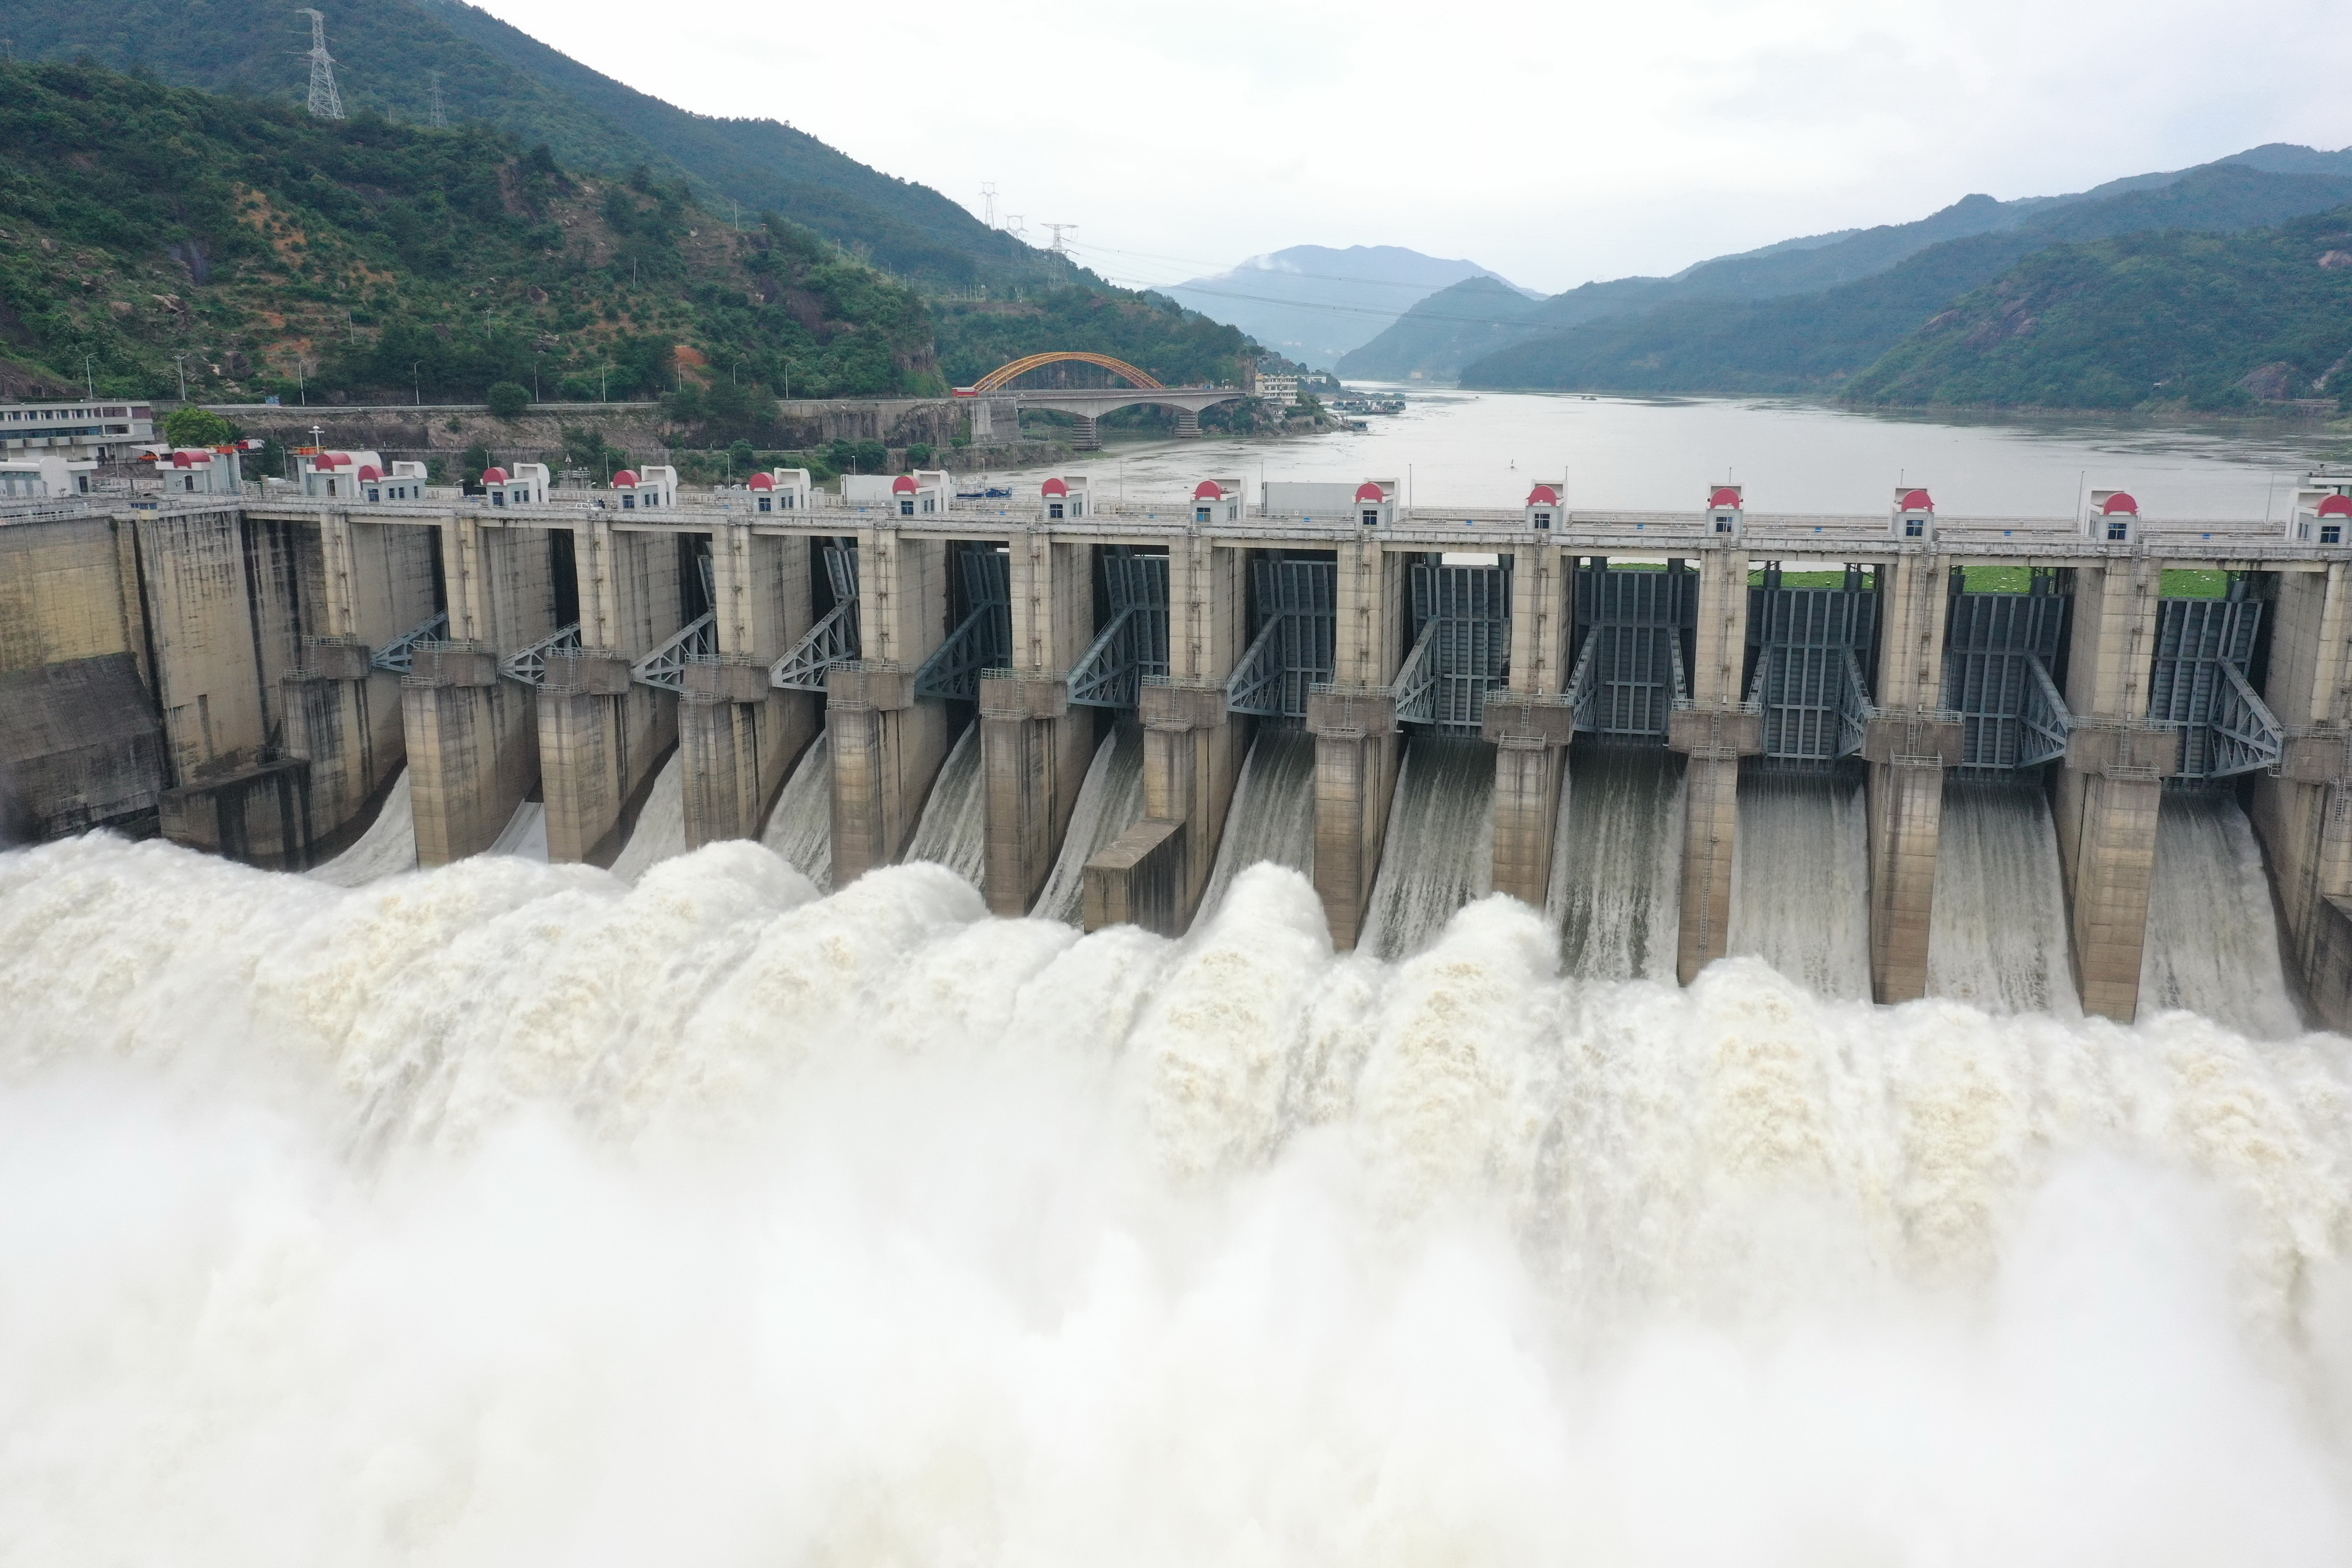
(2182, 582)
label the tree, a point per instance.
(194, 426)
(508, 399)
(918, 453)
(476, 460)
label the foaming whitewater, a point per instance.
(1801, 880)
(525, 835)
(800, 828)
(507, 1212)
(660, 831)
(386, 849)
(1438, 851)
(1616, 862)
(1109, 802)
(954, 830)
(2212, 936)
(1271, 820)
(1996, 937)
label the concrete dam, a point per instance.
(1895, 755)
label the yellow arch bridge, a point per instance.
(1087, 404)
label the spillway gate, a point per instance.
(1809, 650)
(1632, 628)
(1296, 641)
(982, 639)
(1461, 645)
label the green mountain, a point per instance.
(1437, 337)
(389, 52)
(1812, 342)
(2208, 320)
(146, 230)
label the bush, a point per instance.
(508, 399)
(918, 453)
(195, 426)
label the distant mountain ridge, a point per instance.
(1440, 349)
(1313, 303)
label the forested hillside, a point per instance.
(144, 229)
(1815, 342)
(389, 53)
(2211, 321)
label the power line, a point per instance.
(1060, 246)
(325, 102)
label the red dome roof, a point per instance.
(334, 459)
(2121, 501)
(904, 485)
(624, 479)
(190, 459)
(1208, 490)
(490, 476)
(2336, 506)
(1369, 491)
(1723, 496)
(1052, 487)
(1543, 496)
(370, 471)
(763, 482)
(1917, 501)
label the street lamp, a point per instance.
(416, 380)
(602, 390)
(182, 360)
(90, 376)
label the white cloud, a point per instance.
(1554, 144)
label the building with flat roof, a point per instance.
(101, 431)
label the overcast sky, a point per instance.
(1552, 142)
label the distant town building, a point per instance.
(1280, 391)
(100, 431)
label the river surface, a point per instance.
(1484, 449)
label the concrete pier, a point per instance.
(1356, 743)
(1033, 747)
(1907, 746)
(1192, 749)
(1714, 731)
(886, 745)
(739, 735)
(2303, 813)
(1530, 728)
(472, 736)
(2109, 788)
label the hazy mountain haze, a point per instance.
(1314, 303)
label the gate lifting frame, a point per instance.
(1133, 645)
(2199, 683)
(1292, 651)
(1462, 649)
(697, 641)
(984, 640)
(1998, 650)
(1629, 672)
(833, 641)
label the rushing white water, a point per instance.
(800, 829)
(953, 831)
(660, 831)
(386, 849)
(509, 1213)
(1272, 818)
(2212, 935)
(1801, 880)
(1109, 802)
(525, 834)
(1439, 853)
(1996, 937)
(1616, 862)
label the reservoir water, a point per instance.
(705, 1214)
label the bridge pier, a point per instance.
(1528, 727)
(738, 735)
(1188, 425)
(472, 737)
(1714, 731)
(1157, 871)
(886, 743)
(1907, 746)
(2110, 787)
(2303, 813)
(343, 715)
(1356, 743)
(1084, 435)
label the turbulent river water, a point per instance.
(515, 1212)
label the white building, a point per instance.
(782, 490)
(46, 477)
(200, 470)
(334, 476)
(1217, 501)
(402, 482)
(2322, 513)
(1064, 498)
(98, 432)
(924, 493)
(526, 485)
(640, 490)
(1280, 391)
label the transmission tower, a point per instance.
(326, 103)
(1060, 246)
(988, 204)
(439, 117)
